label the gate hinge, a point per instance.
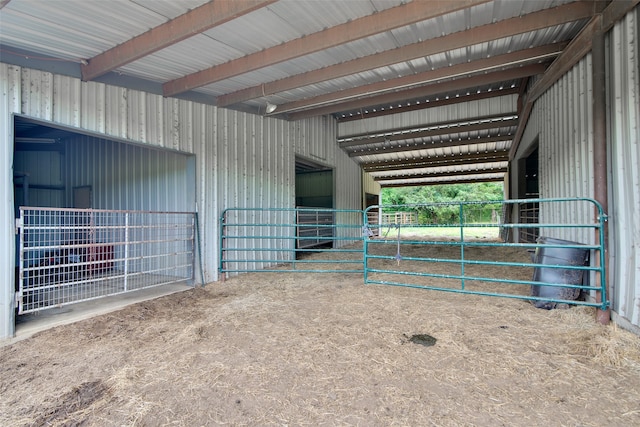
(19, 224)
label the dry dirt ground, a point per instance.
(324, 349)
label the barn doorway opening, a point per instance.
(97, 216)
(314, 200)
(529, 212)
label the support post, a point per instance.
(600, 159)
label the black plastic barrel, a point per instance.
(561, 256)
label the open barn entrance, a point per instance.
(97, 216)
(314, 203)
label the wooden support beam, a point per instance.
(509, 60)
(536, 54)
(485, 33)
(428, 90)
(574, 52)
(386, 20)
(184, 26)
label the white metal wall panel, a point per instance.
(315, 189)
(624, 125)
(467, 110)
(10, 101)
(369, 185)
(45, 169)
(561, 123)
(565, 153)
(313, 137)
(128, 177)
(242, 160)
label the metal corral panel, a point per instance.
(624, 84)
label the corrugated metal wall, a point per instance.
(561, 121)
(9, 103)
(369, 185)
(624, 126)
(242, 160)
(128, 177)
(44, 169)
(484, 107)
(315, 189)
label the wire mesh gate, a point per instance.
(73, 255)
(281, 239)
(427, 258)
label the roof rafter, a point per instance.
(509, 27)
(430, 104)
(184, 26)
(436, 129)
(500, 169)
(359, 28)
(426, 162)
(427, 90)
(511, 59)
(447, 123)
(429, 145)
(457, 181)
(577, 49)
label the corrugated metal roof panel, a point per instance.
(77, 29)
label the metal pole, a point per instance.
(600, 161)
(222, 275)
(126, 250)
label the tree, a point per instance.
(436, 203)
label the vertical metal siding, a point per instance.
(369, 185)
(242, 160)
(499, 105)
(10, 102)
(128, 177)
(562, 121)
(624, 131)
(563, 124)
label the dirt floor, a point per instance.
(325, 349)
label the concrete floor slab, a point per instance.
(29, 324)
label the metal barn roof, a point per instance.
(372, 64)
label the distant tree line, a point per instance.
(435, 205)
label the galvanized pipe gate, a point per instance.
(72, 255)
(319, 240)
